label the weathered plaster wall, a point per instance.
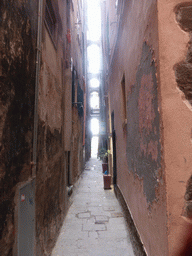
(176, 110)
(77, 119)
(51, 196)
(68, 109)
(183, 69)
(76, 146)
(18, 30)
(143, 125)
(18, 24)
(140, 166)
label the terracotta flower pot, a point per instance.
(107, 181)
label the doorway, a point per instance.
(114, 148)
(26, 220)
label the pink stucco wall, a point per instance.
(176, 117)
(150, 46)
(136, 57)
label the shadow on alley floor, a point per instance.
(94, 225)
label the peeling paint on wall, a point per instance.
(143, 132)
(183, 69)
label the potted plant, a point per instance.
(103, 155)
(106, 175)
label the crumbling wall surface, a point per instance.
(175, 76)
(17, 83)
(50, 189)
(51, 197)
(76, 13)
(183, 69)
(77, 159)
(140, 167)
(143, 142)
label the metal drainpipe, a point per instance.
(38, 60)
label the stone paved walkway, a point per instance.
(94, 225)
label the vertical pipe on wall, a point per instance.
(38, 59)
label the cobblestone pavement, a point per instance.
(94, 225)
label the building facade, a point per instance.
(146, 48)
(41, 131)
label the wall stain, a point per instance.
(50, 177)
(143, 125)
(17, 86)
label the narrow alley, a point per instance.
(95, 91)
(94, 225)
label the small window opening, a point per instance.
(50, 19)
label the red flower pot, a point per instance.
(107, 181)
